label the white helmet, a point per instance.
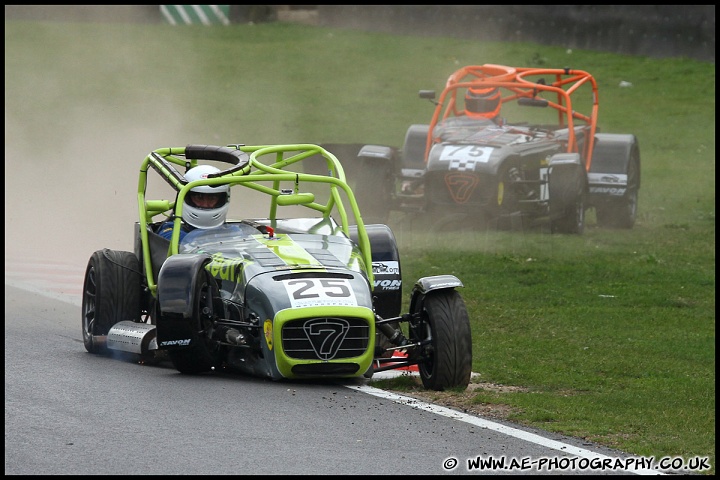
(210, 212)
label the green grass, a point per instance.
(611, 334)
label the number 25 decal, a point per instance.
(314, 288)
(308, 292)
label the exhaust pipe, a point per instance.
(133, 337)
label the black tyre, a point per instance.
(111, 294)
(447, 359)
(621, 213)
(203, 354)
(567, 200)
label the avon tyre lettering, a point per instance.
(168, 343)
(619, 191)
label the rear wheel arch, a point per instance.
(386, 268)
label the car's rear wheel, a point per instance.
(621, 213)
(111, 294)
(447, 359)
(203, 354)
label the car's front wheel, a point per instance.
(111, 294)
(567, 199)
(447, 357)
(203, 354)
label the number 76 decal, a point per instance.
(311, 292)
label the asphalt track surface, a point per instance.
(71, 412)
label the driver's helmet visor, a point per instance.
(206, 200)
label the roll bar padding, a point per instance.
(234, 157)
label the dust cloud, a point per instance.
(65, 199)
(76, 133)
(83, 108)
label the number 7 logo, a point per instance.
(326, 335)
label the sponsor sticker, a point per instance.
(267, 330)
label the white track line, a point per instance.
(483, 423)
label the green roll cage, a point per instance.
(260, 168)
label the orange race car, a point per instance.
(509, 147)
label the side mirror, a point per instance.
(532, 102)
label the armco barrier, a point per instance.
(196, 14)
(658, 31)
